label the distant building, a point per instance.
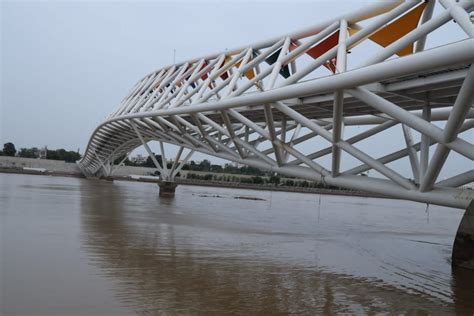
(43, 153)
(138, 159)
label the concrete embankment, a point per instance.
(56, 167)
(38, 166)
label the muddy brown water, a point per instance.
(81, 247)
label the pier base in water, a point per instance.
(463, 248)
(167, 188)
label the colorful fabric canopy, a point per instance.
(250, 74)
(284, 71)
(321, 48)
(397, 29)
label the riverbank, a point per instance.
(141, 174)
(280, 188)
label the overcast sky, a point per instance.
(66, 65)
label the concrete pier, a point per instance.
(463, 248)
(167, 188)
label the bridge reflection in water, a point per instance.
(279, 255)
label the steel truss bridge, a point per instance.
(270, 105)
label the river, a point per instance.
(83, 247)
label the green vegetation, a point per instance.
(148, 163)
(29, 152)
(229, 173)
(217, 173)
(62, 154)
(9, 149)
(57, 154)
(206, 166)
(203, 166)
(273, 180)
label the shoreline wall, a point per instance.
(54, 166)
(62, 167)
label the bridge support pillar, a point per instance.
(167, 188)
(463, 248)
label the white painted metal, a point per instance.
(212, 105)
(338, 121)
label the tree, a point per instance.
(150, 164)
(205, 165)
(71, 156)
(250, 171)
(52, 154)
(62, 154)
(216, 168)
(274, 179)
(126, 161)
(28, 152)
(9, 149)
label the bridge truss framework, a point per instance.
(259, 105)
